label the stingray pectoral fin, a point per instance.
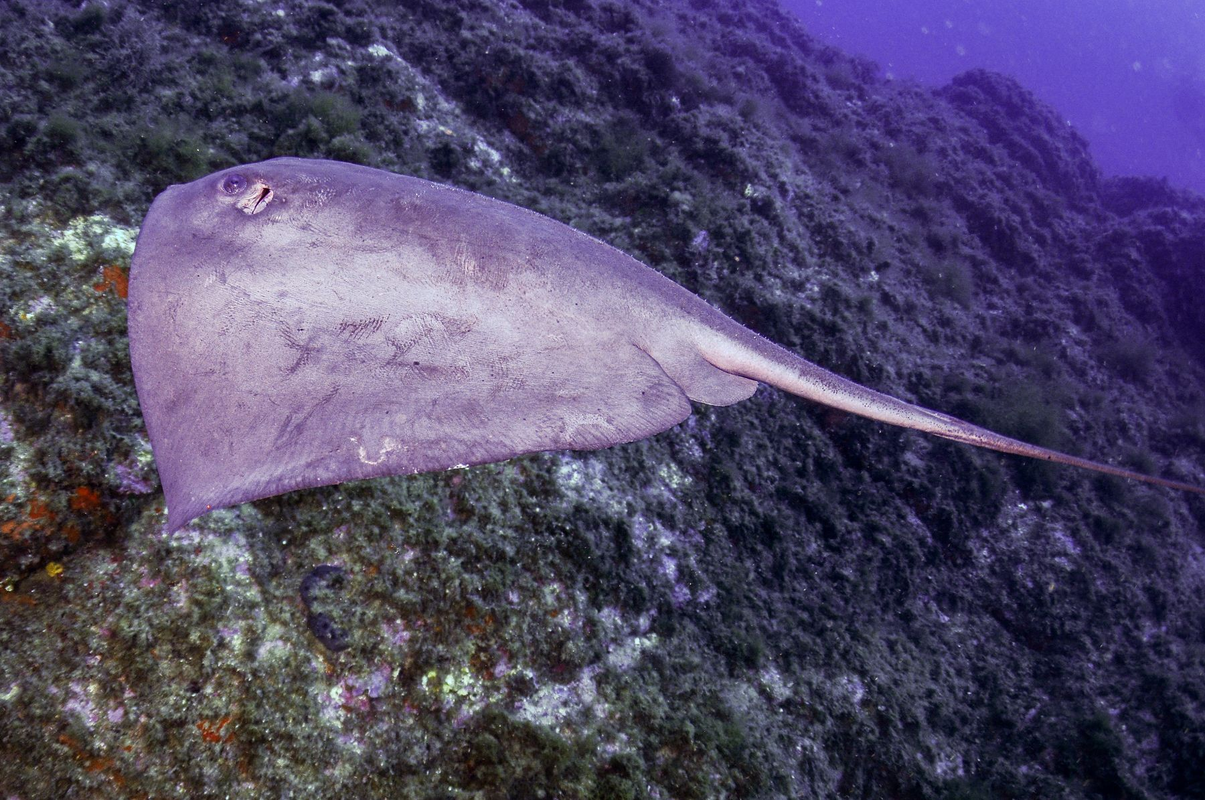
(765, 361)
(578, 396)
(601, 396)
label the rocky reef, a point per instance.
(771, 600)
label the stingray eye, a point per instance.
(234, 183)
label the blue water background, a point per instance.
(1128, 74)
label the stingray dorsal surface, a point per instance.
(297, 322)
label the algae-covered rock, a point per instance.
(770, 600)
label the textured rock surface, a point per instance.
(771, 600)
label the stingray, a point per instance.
(296, 323)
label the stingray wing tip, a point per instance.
(177, 518)
(183, 510)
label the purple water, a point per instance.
(1128, 74)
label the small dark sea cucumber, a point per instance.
(321, 580)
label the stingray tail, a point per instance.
(762, 360)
